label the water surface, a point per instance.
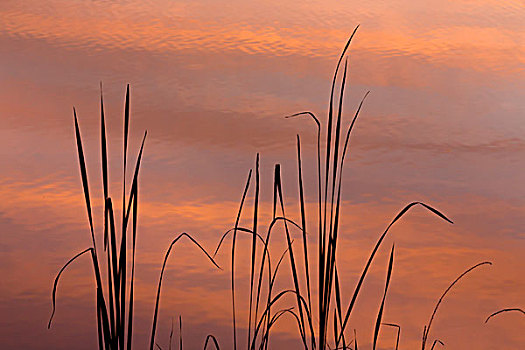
(211, 82)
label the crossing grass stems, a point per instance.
(322, 323)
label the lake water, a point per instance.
(211, 82)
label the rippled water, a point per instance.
(211, 82)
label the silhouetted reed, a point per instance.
(115, 297)
(330, 165)
(321, 315)
(503, 311)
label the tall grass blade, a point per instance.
(104, 158)
(180, 332)
(335, 225)
(109, 226)
(234, 239)
(103, 315)
(323, 261)
(101, 306)
(381, 308)
(123, 242)
(111, 253)
(332, 237)
(83, 173)
(99, 330)
(171, 334)
(278, 186)
(330, 117)
(303, 223)
(336, 141)
(349, 131)
(319, 197)
(254, 244)
(339, 310)
(125, 146)
(135, 197)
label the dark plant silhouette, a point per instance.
(115, 297)
(503, 311)
(322, 322)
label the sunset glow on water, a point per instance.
(211, 81)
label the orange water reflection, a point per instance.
(211, 82)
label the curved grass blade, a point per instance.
(272, 281)
(273, 301)
(263, 261)
(435, 342)
(425, 334)
(239, 229)
(275, 318)
(398, 332)
(184, 234)
(274, 275)
(57, 278)
(215, 342)
(504, 310)
(278, 314)
(376, 247)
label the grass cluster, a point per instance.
(318, 305)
